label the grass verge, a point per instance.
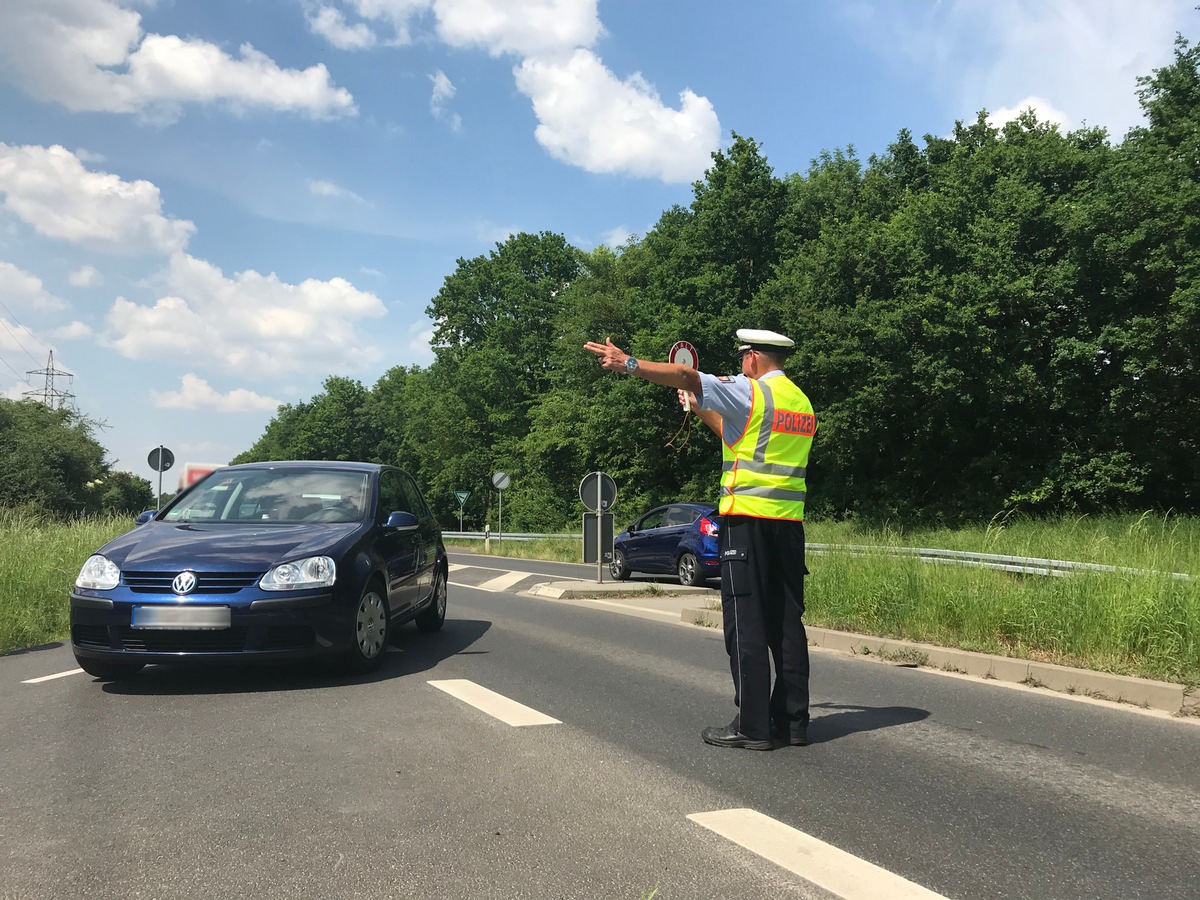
(39, 561)
(1144, 625)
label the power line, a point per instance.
(22, 327)
(24, 378)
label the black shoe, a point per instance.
(797, 736)
(724, 736)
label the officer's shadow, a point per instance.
(850, 719)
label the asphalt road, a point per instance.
(298, 783)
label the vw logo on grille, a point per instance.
(184, 583)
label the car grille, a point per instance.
(239, 639)
(206, 582)
(226, 640)
(288, 637)
(91, 636)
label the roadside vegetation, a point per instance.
(40, 556)
(1144, 625)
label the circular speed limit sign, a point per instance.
(685, 354)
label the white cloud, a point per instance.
(587, 116)
(15, 391)
(196, 393)
(524, 27)
(85, 276)
(421, 342)
(400, 14)
(1042, 108)
(443, 93)
(49, 188)
(72, 331)
(320, 188)
(616, 238)
(20, 288)
(329, 23)
(1079, 59)
(590, 119)
(92, 55)
(252, 324)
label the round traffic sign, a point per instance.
(598, 491)
(501, 480)
(685, 354)
(160, 462)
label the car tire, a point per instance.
(689, 570)
(369, 631)
(619, 567)
(109, 671)
(434, 617)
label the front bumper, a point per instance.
(295, 626)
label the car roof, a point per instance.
(331, 464)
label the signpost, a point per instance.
(685, 354)
(598, 492)
(160, 460)
(500, 481)
(462, 501)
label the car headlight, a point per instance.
(99, 574)
(314, 572)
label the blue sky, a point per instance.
(209, 206)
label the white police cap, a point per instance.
(758, 339)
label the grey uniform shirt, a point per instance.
(730, 396)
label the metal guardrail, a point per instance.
(1023, 565)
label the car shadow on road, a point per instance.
(409, 653)
(849, 720)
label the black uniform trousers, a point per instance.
(762, 601)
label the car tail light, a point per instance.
(708, 526)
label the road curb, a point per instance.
(1161, 695)
(583, 590)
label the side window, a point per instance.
(681, 515)
(416, 502)
(391, 496)
(653, 519)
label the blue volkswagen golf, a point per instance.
(265, 561)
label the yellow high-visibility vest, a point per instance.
(763, 472)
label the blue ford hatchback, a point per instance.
(265, 561)
(677, 539)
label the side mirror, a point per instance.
(403, 521)
(144, 516)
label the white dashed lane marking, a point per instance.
(823, 864)
(495, 705)
(51, 677)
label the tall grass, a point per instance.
(39, 560)
(1146, 625)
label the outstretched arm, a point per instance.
(675, 375)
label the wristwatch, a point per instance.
(631, 364)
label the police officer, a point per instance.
(766, 424)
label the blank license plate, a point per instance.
(191, 617)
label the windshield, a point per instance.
(275, 495)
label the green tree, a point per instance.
(121, 493)
(332, 425)
(47, 458)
